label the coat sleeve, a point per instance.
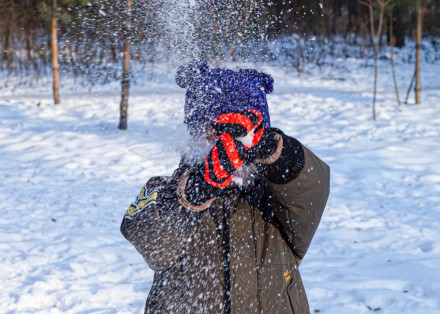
(300, 183)
(156, 223)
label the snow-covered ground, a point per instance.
(68, 175)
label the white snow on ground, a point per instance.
(68, 175)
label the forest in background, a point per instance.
(97, 39)
(91, 33)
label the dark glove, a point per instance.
(241, 138)
(246, 127)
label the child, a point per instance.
(226, 233)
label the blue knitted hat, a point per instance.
(212, 91)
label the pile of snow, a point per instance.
(68, 175)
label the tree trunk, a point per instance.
(375, 85)
(375, 38)
(28, 47)
(55, 66)
(125, 83)
(393, 68)
(376, 51)
(410, 87)
(420, 12)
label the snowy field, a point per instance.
(68, 175)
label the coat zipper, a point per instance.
(257, 265)
(226, 261)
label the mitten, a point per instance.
(241, 138)
(225, 157)
(246, 126)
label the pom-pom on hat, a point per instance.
(212, 91)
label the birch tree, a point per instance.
(125, 82)
(375, 37)
(54, 52)
(419, 35)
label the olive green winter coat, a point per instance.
(263, 238)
